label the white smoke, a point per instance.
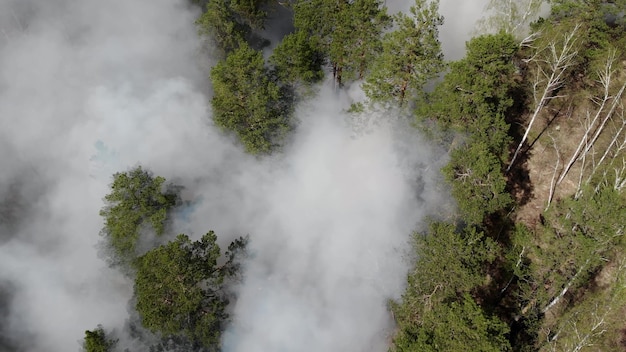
(91, 87)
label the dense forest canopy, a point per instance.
(533, 117)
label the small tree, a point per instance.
(410, 57)
(138, 201)
(97, 341)
(347, 32)
(458, 326)
(478, 93)
(436, 312)
(477, 182)
(298, 59)
(179, 288)
(247, 102)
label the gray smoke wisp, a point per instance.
(331, 247)
(91, 87)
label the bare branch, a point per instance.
(560, 59)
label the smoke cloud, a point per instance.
(91, 87)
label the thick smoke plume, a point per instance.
(91, 87)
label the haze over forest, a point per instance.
(312, 175)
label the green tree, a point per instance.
(601, 21)
(179, 288)
(410, 57)
(348, 32)
(231, 22)
(249, 12)
(478, 92)
(458, 326)
(218, 21)
(297, 59)
(449, 263)
(247, 102)
(97, 341)
(357, 38)
(477, 181)
(138, 201)
(436, 312)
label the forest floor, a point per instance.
(553, 141)
(544, 164)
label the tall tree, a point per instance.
(478, 92)
(298, 59)
(410, 57)
(231, 22)
(247, 102)
(457, 326)
(477, 181)
(553, 62)
(218, 21)
(138, 201)
(437, 313)
(179, 288)
(348, 32)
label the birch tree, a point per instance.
(510, 16)
(551, 62)
(609, 106)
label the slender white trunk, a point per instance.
(566, 288)
(561, 59)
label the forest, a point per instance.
(533, 255)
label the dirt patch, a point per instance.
(551, 150)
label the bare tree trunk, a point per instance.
(566, 288)
(556, 168)
(559, 61)
(593, 129)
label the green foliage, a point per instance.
(478, 92)
(437, 313)
(449, 264)
(249, 12)
(97, 341)
(601, 21)
(218, 21)
(297, 58)
(179, 288)
(347, 32)
(458, 326)
(138, 201)
(477, 181)
(560, 260)
(231, 22)
(410, 57)
(247, 102)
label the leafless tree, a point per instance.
(511, 16)
(552, 62)
(607, 106)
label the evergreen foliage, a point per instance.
(411, 56)
(179, 288)
(297, 59)
(231, 22)
(347, 32)
(97, 341)
(437, 312)
(247, 102)
(138, 202)
(478, 92)
(478, 184)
